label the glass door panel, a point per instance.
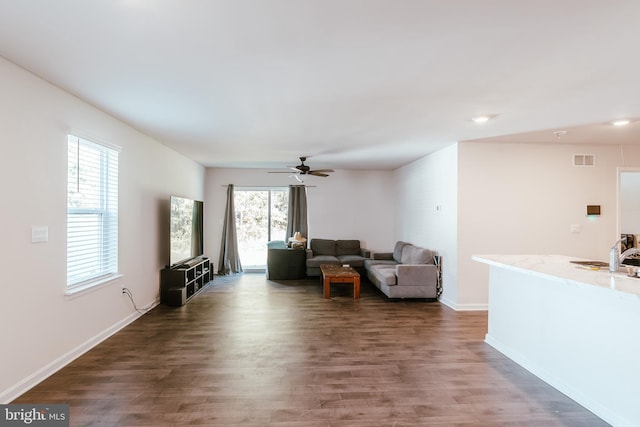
(261, 216)
(279, 214)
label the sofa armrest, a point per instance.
(365, 253)
(309, 253)
(383, 255)
(416, 274)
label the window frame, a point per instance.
(99, 209)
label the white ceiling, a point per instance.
(360, 84)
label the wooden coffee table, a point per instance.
(339, 274)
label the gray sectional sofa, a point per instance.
(407, 272)
(336, 252)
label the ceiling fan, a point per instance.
(303, 169)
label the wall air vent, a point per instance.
(588, 160)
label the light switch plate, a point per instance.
(39, 234)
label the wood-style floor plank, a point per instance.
(252, 352)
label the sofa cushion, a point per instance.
(368, 263)
(416, 255)
(352, 260)
(323, 247)
(386, 274)
(316, 261)
(397, 250)
(347, 247)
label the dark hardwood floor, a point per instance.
(250, 352)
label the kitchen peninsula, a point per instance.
(576, 328)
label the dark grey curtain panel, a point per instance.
(229, 256)
(297, 211)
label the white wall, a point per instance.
(41, 329)
(523, 199)
(506, 199)
(346, 205)
(427, 210)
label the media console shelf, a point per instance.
(179, 284)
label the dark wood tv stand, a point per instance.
(179, 284)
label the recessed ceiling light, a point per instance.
(480, 119)
(621, 122)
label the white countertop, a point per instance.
(560, 268)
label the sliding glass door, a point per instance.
(261, 216)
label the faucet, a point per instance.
(615, 260)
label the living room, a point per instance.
(466, 198)
(481, 212)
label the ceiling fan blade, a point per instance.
(303, 169)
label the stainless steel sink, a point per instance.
(603, 266)
(632, 261)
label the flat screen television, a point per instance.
(186, 235)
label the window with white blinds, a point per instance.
(92, 213)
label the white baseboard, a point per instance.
(472, 307)
(464, 307)
(46, 371)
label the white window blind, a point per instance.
(92, 212)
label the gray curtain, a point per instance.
(297, 211)
(229, 256)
